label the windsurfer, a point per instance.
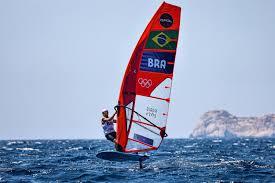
(108, 127)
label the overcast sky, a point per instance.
(62, 61)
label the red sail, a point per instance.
(145, 91)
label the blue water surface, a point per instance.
(178, 160)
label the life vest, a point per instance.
(108, 126)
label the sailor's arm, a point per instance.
(110, 118)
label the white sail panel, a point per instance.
(129, 111)
(133, 145)
(145, 134)
(163, 90)
(155, 110)
(146, 125)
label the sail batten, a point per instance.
(146, 87)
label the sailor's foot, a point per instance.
(118, 147)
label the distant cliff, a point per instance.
(220, 123)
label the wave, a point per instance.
(74, 149)
(15, 142)
(27, 149)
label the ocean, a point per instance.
(177, 160)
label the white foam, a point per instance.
(74, 148)
(27, 149)
(7, 148)
(189, 146)
(10, 143)
(217, 140)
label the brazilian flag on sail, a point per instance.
(166, 40)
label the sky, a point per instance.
(62, 61)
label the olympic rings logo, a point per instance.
(147, 83)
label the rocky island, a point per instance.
(222, 124)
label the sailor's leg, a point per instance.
(111, 136)
(117, 146)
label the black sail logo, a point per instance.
(166, 20)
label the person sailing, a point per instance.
(107, 124)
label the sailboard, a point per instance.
(120, 156)
(144, 97)
(146, 87)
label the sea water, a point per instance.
(177, 160)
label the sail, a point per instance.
(145, 91)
